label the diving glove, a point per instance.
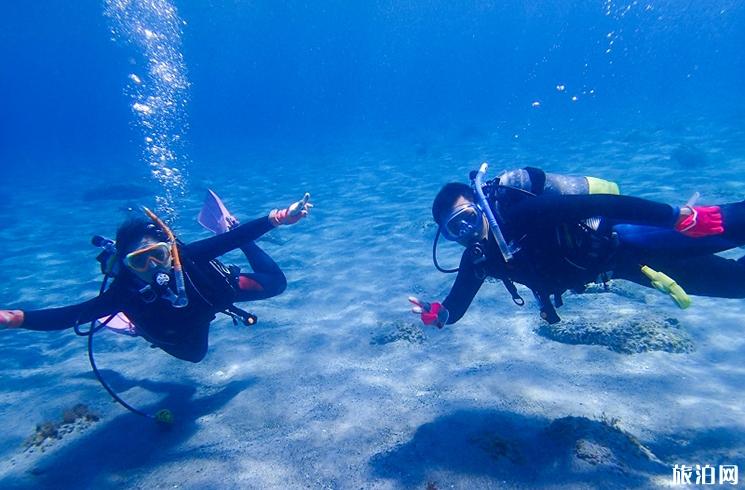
(700, 221)
(293, 213)
(430, 313)
(11, 319)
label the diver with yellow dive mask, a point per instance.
(168, 292)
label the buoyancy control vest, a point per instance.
(568, 257)
(211, 287)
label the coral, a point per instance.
(398, 330)
(625, 335)
(77, 417)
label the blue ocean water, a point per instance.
(370, 107)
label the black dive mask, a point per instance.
(465, 224)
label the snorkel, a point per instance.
(181, 299)
(476, 183)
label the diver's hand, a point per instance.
(293, 213)
(700, 221)
(430, 313)
(11, 319)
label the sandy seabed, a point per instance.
(338, 386)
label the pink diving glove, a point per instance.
(11, 319)
(431, 313)
(293, 213)
(700, 221)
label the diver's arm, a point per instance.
(218, 245)
(68, 316)
(545, 211)
(466, 285)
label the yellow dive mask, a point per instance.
(157, 254)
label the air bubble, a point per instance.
(159, 91)
(142, 108)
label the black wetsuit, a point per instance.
(182, 332)
(558, 252)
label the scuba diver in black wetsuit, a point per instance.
(168, 292)
(554, 233)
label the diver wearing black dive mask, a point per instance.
(557, 233)
(466, 225)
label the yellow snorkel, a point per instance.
(181, 299)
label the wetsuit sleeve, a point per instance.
(466, 285)
(218, 245)
(734, 222)
(68, 316)
(549, 211)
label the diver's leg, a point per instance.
(733, 217)
(652, 241)
(668, 242)
(709, 275)
(265, 281)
